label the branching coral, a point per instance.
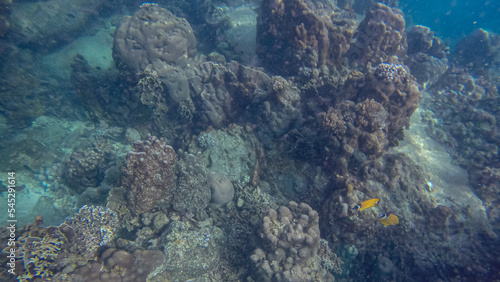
(333, 122)
(39, 255)
(55, 249)
(92, 227)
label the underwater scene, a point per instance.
(249, 140)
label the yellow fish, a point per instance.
(366, 204)
(388, 219)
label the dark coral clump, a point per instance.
(379, 36)
(427, 55)
(86, 167)
(149, 175)
(105, 95)
(392, 86)
(295, 34)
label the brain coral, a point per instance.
(153, 36)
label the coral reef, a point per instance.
(149, 175)
(90, 228)
(289, 250)
(38, 254)
(153, 37)
(234, 155)
(392, 86)
(465, 107)
(294, 34)
(117, 265)
(427, 55)
(280, 110)
(157, 45)
(222, 93)
(362, 131)
(479, 51)
(46, 253)
(329, 260)
(212, 98)
(150, 91)
(379, 36)
(422, 40)
(86, 166)
(205, 141)
(317, 116)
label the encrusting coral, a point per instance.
(117, 266)
(148, 175)
(192, 192)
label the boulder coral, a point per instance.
(221, 187)
(290, 245)
(153, 36)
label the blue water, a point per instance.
(453, 19)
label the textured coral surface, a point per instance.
(235, 141)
